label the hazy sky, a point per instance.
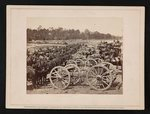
(110, 25)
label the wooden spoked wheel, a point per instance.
(80, 63)
(111, 67)
(74, 73)
(71, 62)
(59, 77)
(99, 77)
(90, 62)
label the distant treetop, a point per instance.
(66, 34)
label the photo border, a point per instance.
(142, 51)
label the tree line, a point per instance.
(65, 34)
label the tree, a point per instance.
(87, 34)
(39, 27)
(65, 34)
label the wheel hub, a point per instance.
(99, 77)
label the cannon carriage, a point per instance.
(99, 74)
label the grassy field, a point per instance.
(62, 42)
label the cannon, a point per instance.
(99, 75)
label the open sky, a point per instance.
(112, 25)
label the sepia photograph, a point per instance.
(74, 56)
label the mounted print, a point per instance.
(64, 56)
(75, 57)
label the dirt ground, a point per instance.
(80, 88)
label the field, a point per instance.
(62, 42)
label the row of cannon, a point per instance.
(68, 63)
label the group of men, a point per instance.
(111, 52)
(42, 60)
